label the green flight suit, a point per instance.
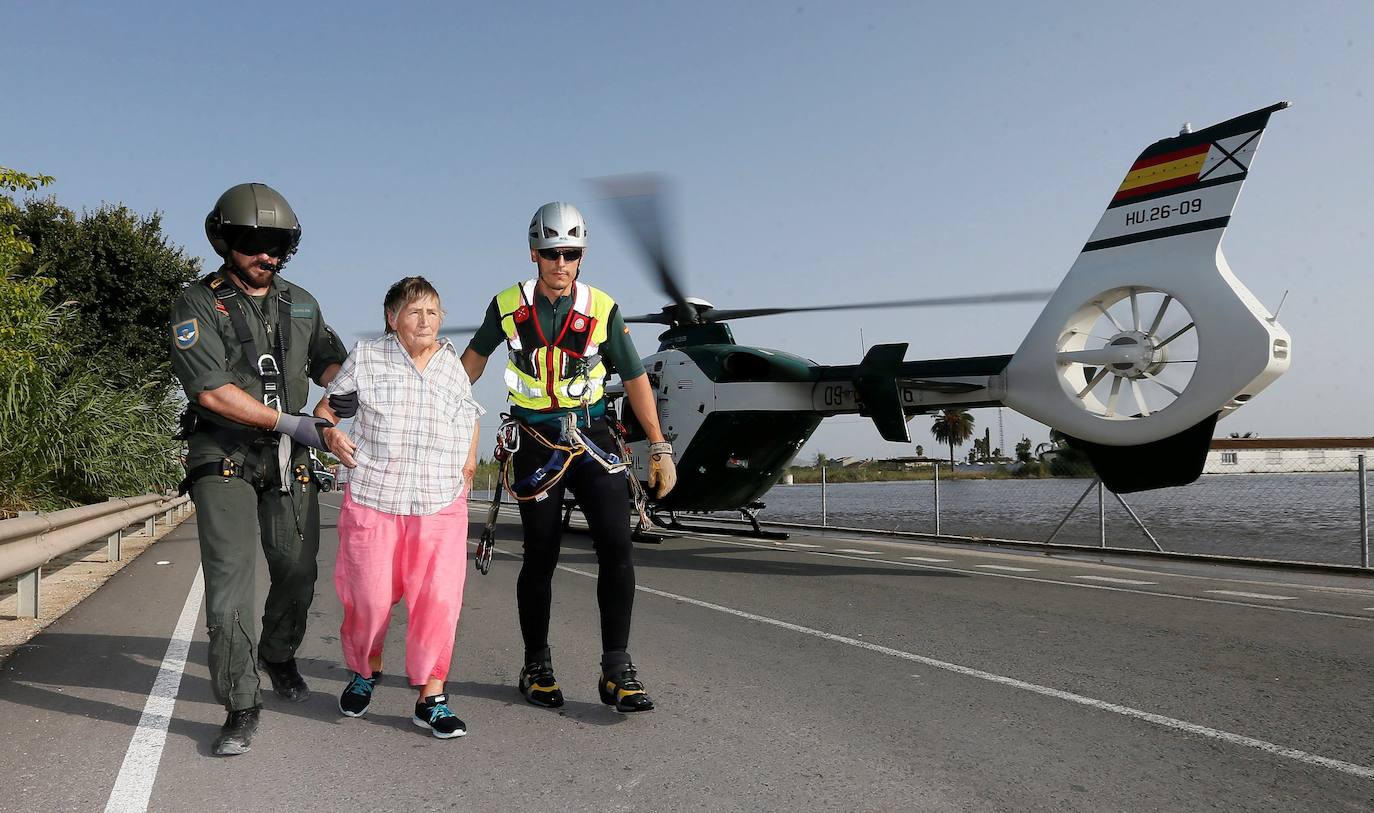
(207, 354)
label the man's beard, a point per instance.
(271, 266)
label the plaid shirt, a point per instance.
(413, 430)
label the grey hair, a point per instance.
(403, 293)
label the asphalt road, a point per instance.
(824, 673)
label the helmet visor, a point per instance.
(253, 241)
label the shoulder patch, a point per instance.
(186, 334)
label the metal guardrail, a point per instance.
(28, 542)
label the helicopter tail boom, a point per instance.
(889, 391)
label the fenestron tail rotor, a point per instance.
(1129, 353)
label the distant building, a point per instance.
(906, 463)
(846, 462)
(1274, 455)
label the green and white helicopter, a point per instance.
(1146, 343)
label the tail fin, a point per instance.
(1184, 184)
(1150, 334)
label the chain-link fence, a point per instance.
(1269, 499)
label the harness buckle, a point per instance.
(573, 436)
(270, 374)
(507, 439)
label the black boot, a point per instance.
(620, 687)
(236, 735)
(286, 680)
(539, 686)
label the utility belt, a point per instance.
(230, 440)
(560, 454)
(260, 477)
(261, 466)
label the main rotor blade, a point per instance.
(721, 314)
(636, 199)
(461, 330)
(659, 318)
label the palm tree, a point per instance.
(953, 426)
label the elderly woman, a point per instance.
(412, 451)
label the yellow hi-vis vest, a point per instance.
(545, 373)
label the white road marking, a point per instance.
(1105, 587)
(482, 507)
(855, 550)
(1112, 580)
(1362, 771)
(134, 784)
(1252, 595)
(1229, 602)
(1008, 568)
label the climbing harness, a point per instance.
(572, 445)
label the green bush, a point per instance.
(73, 433)
(120, 273)
(73, 429)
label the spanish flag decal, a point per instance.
(1166, 171)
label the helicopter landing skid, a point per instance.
(672, 523)
(648, 536)
(640, 533)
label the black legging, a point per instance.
(604, 499)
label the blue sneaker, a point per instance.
(357, 696)
(435, 715)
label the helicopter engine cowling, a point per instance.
(736, 417)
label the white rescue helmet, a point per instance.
(557, 225)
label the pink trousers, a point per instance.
(386, 557)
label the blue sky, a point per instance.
(821, 152)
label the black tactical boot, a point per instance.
(620, 687)
(236, 735)
(286, 680)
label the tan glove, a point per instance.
(662, 470)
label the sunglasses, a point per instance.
(552, 254)
(253, 241)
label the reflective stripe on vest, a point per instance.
(544, 376)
